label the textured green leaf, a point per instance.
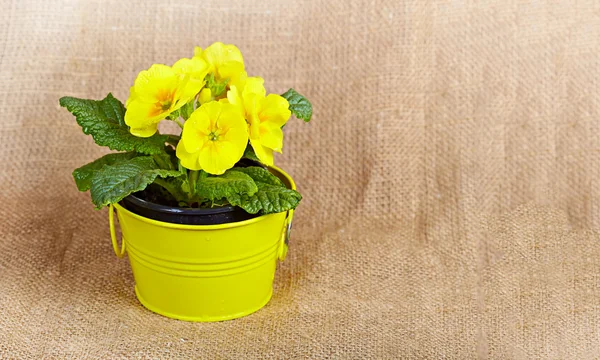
(268, 199)
(232, 182)
(299, 105)
(272, 195)
(104, 120)
(83, 175)
(259, 174)
(112, 183)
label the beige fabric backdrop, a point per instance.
(450, 178)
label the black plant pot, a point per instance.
(187, 216)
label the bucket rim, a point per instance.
(120, 208)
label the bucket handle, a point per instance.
(113, 233)
(285, 235)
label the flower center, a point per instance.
(213, 136)
(165, 104)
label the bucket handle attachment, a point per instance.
(285, 235)
(113, 233)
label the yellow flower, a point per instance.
(156, 93)
(213, 139)
(224, 61)
(265, 115)
(243, 94)
(195, 68)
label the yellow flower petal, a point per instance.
(239, 81)
(196, 130)
(225, 61)
(265, 155)
(271, 136)
(234, 98)
(232, 126)
(275, 109)
(188, 160)
(195, 69)
(131, 96)
(230, 70)
(254, 85)
(144, 132)
(205, 96)
(251, 109)
(143, 118)
(217, 157)
(152, 84)
(218, 53)
(251, 95)
(212, 110)
(186, 92)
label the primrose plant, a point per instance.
(230, 129)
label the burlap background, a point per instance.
(450, 178)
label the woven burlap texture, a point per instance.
(450, 178)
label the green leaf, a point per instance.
(104, 120)
(299, 105)
(83, 175)
(112, 183)
(232, 182)
(268, 199)
(259, 174)
(272, 195)
(187, 110)
(250, 154)
(216, 88)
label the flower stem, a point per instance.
(179, 123)
(193, 179)
(162, 162)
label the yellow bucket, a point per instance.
(203, 272)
